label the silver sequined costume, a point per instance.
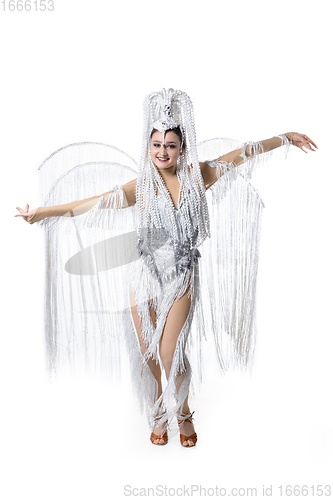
(167, 268)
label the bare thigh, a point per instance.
(173, 326)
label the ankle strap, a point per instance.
(161, 417)
(182, 417)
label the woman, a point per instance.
(169, 194)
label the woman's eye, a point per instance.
(171, 146)
(156, 145)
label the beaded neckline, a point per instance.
(179, 204)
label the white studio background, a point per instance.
(253, 70)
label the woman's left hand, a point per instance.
(301, 141)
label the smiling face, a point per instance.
(165, 155)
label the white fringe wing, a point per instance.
(86, 258)
(229, 264)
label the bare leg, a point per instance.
(173, 326)
(154, 367)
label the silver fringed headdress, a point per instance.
(165, 110)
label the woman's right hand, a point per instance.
(26, 214)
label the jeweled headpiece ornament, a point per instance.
(165, 110)
(166, 120)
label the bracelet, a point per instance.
(291, 139)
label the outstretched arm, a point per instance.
(123, 199)
(238, 156)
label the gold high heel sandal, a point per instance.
(193, 437)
